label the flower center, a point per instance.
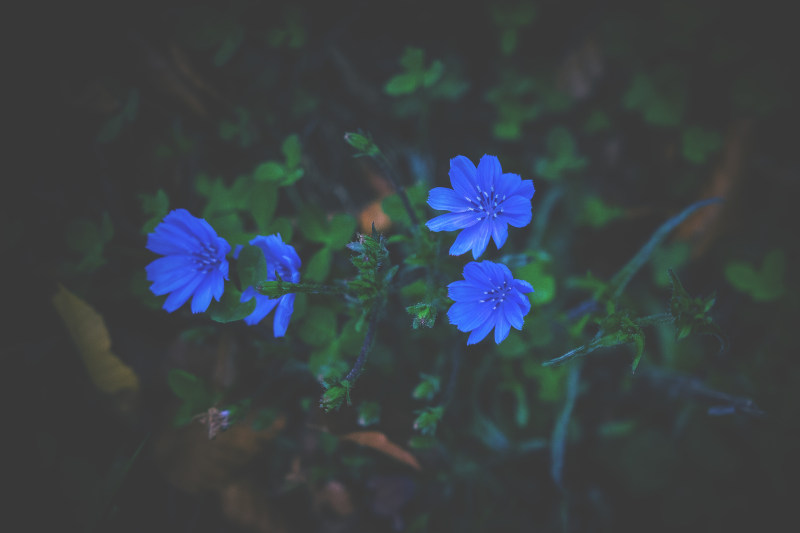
(487, 204)
(206, 259)
(497, 295)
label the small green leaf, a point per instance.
(186, 386)
(312, 224)
(269, 171)
(427, 388)
(291, 151)
(433, 74)
(638, 340)
(699, 143)
(402, 84)
(764, 285)
(229, 308)
(596, 213)
(369, 414)
(319, 265)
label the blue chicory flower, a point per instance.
(488, 297)
(482, 203)
(194, 263)
(282, 259)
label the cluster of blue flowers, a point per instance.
(195, 265)
(483, 203)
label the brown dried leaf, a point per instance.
(379, 441)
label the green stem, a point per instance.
(352, 376)
(278, 288)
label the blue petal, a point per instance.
(478, 274)
(516, 211)
(469, 315)
(282, 315)
(202, 296)
(523, 286)
(501, 329)
(179, 297)
(479, 333)
(172, 281)
(474, 237)
(263, 306)
(465, 291)
(463, 176)
(197, 227)
(167, 266)
(452, 221)
(499, 233)
(445, 199)
(488, 171)
(513, 185)
(513, 314)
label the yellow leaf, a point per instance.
(90, 335)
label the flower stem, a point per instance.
(352, 376)
(278, 288)
(383, 162)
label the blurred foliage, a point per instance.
(627, 117)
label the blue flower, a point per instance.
(483, 202)
(283, 261)
(488, 297)
(194, 262)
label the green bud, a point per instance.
(427, 388)
(428, 419)
(424, 315)
(363, 144)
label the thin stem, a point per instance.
(276, 288)
(352, 376)
(652, 320)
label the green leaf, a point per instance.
(187, 386)
(402, 84)
(342, 227)
(427, 388)
(433, 74)
(269, 171)
(251, 266)
(263, 201)
(155, 207)
(638, 340)
(291, 151)
(596, 213)
(764, 285)
(699, 143)
(229, 308)
(544, 284)
(659, 96)
(319, 327)
(413, 59)
(319, 265)
(312, 224)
